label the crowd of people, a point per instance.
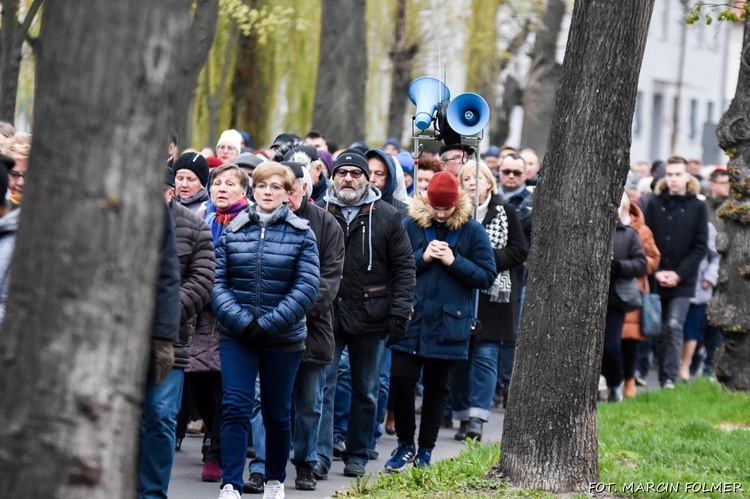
(308, 295)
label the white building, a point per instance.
(708, 80)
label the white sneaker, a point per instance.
(273, 490)
(228, 492)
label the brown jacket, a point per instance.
(632, 328)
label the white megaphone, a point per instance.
(468, 114)
(426, 93)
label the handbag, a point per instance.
(627, 296)
(650, 313)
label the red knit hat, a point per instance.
(442, 191)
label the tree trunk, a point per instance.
(549, 434)
(544, 78)
(401, 54)
(193, 57)
(12, 35)
(729, 309)
(75, 345)
(339, 110)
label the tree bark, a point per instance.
(401, 54)
(193, 56)
(74, 348)
(12, 35)
(339, 109)
(729, 309)
(544, 78)
(549, 434)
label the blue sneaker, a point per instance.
(403, 455)
(423, 458)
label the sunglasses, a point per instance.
(516, 173)
(343, 173)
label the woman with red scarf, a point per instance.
(229, 184)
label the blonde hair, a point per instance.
(484, 171)
(271, 168)
(18, 147)
(624, 204)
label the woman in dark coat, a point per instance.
(453, 258)
(474, 380)
(267, 275)
(628, 261)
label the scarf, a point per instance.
(497, 231)
(222, 217)
(15, 200)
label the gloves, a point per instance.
(397, 331)
(162, 359)
(254, 335)
(616, 268)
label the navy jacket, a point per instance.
(444, 299)
(269, 274)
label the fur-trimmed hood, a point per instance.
(419, 211)
(693, 187)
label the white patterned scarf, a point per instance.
(497, 230)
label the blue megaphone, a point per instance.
(426, 93)
(468, 114)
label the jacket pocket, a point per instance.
(456, 324)
(376, 302)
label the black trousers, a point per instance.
(436, 378)
(612, 357)
(205, 389)
(629, 357)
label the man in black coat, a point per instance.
(679, 222)
(374, 301)
(319, 344)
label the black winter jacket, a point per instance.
(680, 227)
(629, 253)
(166, 321)
(195, 250)
(329, 237)
(499, 319)
(367, 297)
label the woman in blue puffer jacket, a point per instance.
(267, 275)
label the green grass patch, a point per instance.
(458, 477)
(693, 442)
(656, 444)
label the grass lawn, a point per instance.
(693, 441)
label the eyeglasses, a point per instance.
(16, 175)
(273, 187)
(516, 173)
(454, 158)
(354, 173)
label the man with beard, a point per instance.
(373, 302)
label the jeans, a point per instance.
(325, 433)
(645, 349)
(240, 366)
(307, 398)
(383, 388)
(669, 344)
(612, 368)
(473, 383)
(343, 397)
(364, 360)
(436, 377)
(258, 434)
(158, 426)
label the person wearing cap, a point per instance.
(308, 157)
(373, 302)
(391, 146)
(491, 158)
(454, 259)
(452, 158)
(407, 165)
(283, 143)
(307, 396)
(8, 227)
(248, 162)
(191, 177)
(195, 257)
(229, 146)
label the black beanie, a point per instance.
(352, 157)
(7, 164)
(194, 162)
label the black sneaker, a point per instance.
(319, 473)
(254, 485)
(305, 479)
(339, 445)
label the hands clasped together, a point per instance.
(438, 250)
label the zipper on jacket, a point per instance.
(363, 239)
(257, 274)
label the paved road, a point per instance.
(186, 474)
